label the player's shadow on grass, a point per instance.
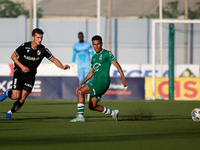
(151, 118)
(170, 117)
(135, 118)
(17, 120)
(96, 118)
(55, 104)
(44, 118)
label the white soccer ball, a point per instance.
(195, 114)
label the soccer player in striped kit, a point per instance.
(100, 68)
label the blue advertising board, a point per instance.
(69, 85)
(65, 88)
(135, 89)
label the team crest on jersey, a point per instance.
(28, 49)
(100, 57)
(38, 52)
(85, 45)
(96, 67)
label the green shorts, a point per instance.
(98, 88)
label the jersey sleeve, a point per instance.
(89, 47)
(111, 57)
(20, 50)
(92, 52)
(48, 54)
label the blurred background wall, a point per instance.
(129, 35)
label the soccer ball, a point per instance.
(195, 114)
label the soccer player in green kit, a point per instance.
(100, 68)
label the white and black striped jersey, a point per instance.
(31, 58)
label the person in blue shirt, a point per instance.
(83, 50)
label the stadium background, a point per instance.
(131, 45)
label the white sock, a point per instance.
(10, 112)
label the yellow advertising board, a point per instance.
(184, 88)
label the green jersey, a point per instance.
(101, 63)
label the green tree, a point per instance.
(196, 13)
(10, 9)
(171, 11)
(39, 13)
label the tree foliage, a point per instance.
(196, 13)
(9, 9)
(171, 11)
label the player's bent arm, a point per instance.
(16, 61)
(89, 75)
(116, 64)
(59, 64)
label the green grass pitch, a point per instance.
(44, 125)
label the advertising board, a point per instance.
(184, 88)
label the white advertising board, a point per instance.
(130, 70)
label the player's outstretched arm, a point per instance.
(116, 64)
(59, 64)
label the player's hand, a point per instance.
(73, 68)
(25, 69)
(66, 67)
(78, 88)
(125, 83)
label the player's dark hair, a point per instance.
(37, 30)
(80, 33)
(97, 37)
